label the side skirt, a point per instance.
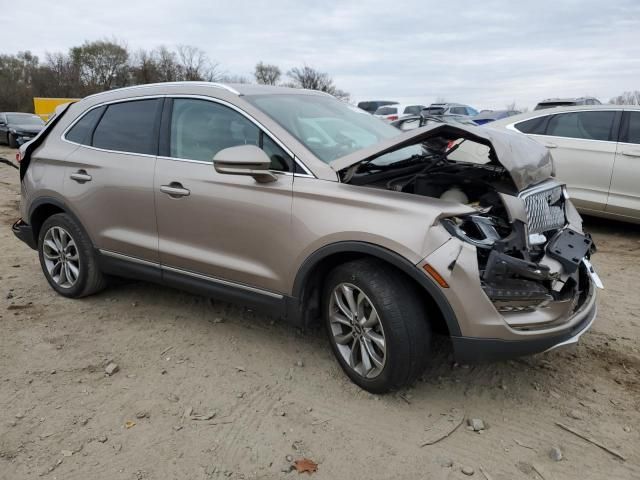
(129, 267)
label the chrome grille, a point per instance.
(545, 208)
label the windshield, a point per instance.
(24, 119)
(328, 127)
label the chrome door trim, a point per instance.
(201, 276)
(220, 281)
(128, 258)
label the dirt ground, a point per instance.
(277, 394)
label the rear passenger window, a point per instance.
(631, 132)
(586, 125)
(535, 126)
(82, 130)
(129, 127)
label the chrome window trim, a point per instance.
(63, 136)
(201, 276)
(512, 126)
(295, 159)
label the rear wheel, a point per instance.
(67, 258)
(376, 324)
(11, 141)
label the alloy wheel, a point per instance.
(357, 330)
(61, 257)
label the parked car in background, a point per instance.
(488, 116)
(391, 113)
(596, 151)
(372, 105)
(411, 122)
(449, 109)
(292, 201)
(567, 102)
(17, 128)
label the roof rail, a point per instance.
(148, 85)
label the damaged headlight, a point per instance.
(475, 229)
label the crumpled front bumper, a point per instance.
(470, 349)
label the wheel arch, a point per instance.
(310, 278)
(44, 207)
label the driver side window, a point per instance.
(201, 128)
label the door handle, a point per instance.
(81, 176)
(175, 190)
(631, 153)
(551, 145)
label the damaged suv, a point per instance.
(296, 203)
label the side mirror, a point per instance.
(245, 160)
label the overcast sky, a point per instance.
(485, 53)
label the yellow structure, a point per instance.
(44, 107)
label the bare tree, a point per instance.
(267, 74)
(308, 77)
(196, 65)
(627, 98)
(229, 78)
(169, 70)
(144, 67)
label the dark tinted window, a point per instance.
(387, 111)
(279, 159)
(587, 125)
(128, 127)
(458, 111)
(81, 131)
(413, 109)
(534, 126)
(631, 134)
(471, 111)
(433, 111)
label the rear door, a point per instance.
(109, 177)
(228, 229)
(624, 194)
(583, 146)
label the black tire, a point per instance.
(89, 279)
(11, 141)
(403, 320)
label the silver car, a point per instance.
(296, 203)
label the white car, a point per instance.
(596, 152)
(391, 113)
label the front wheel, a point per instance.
(11, 141)
(377, 325)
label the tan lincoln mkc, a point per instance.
(313, 210)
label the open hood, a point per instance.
(527, 161)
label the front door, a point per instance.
(227, 228)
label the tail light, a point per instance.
(19, 156)
(392, 118)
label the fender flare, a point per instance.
(386, 255)
(38, 202)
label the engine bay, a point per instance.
(525, 261)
